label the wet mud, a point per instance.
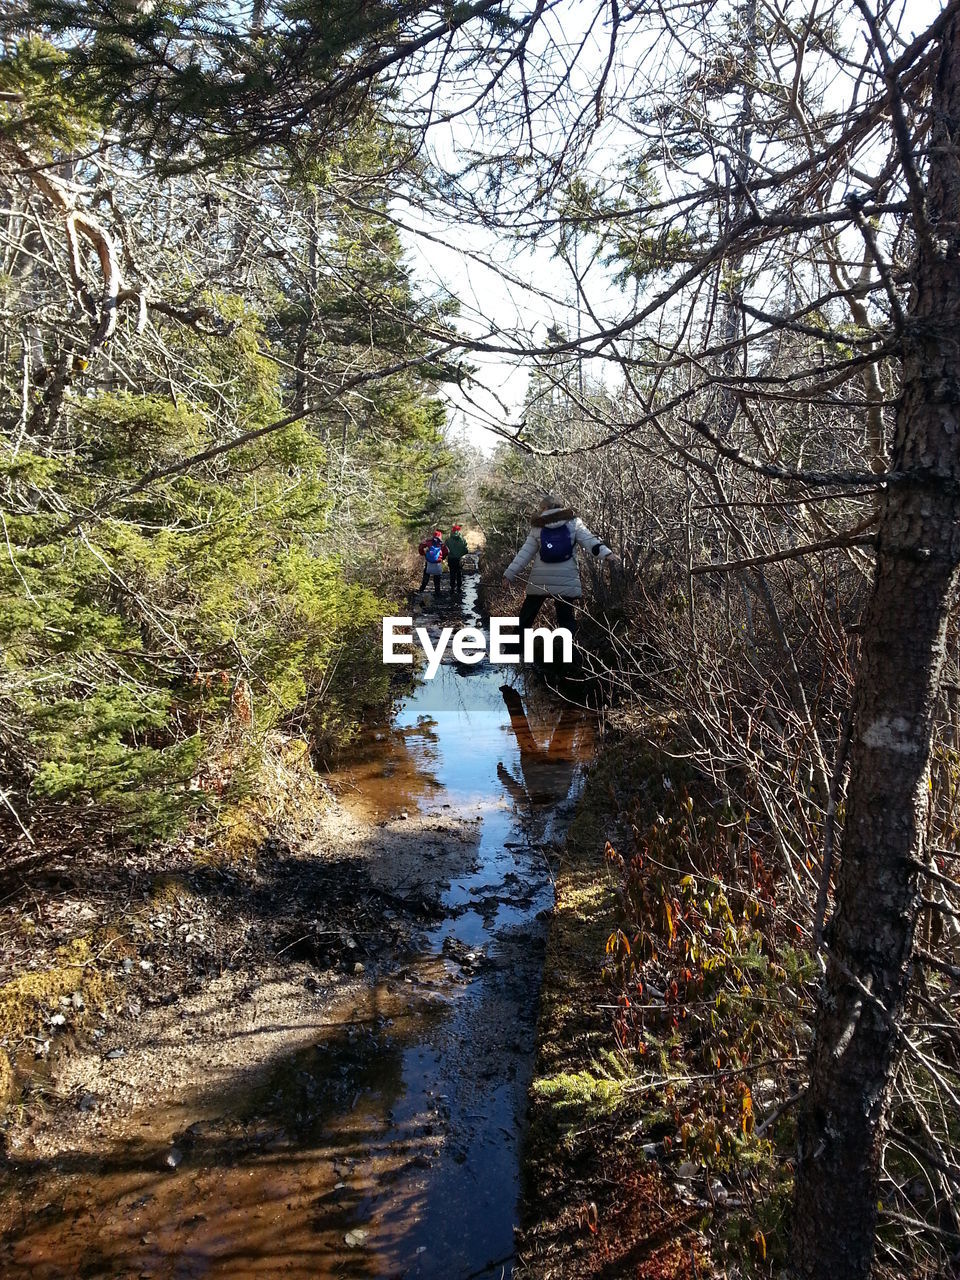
(355, 1105)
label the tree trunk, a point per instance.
(870, 938)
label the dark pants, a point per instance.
(435, 577)
(456, 575)
(532, 605)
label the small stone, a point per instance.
(358, 968)
(404, 816)
(688, 1170)
(114, 1054)
(88, 1102)
(56, 1020)
(127, 965)
(174, 1158)
(353, 1239)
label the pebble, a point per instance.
(353, 1239)
(174, 1158)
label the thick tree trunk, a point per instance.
(871, 936)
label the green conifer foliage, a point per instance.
(206, 504)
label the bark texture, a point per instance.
(870, 939)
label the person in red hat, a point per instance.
(457, 549)
(434, 552)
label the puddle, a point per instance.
(389, 1145)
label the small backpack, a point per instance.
(457, 546)
(434, 553)
(556, 544)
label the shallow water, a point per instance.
(389, 1146)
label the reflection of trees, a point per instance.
(395, 765)
(547, 769)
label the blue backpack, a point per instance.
(434, 553)
(556, 544)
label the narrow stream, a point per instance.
(389, 1146)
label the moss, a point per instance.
(168, 888)
(26, 1000)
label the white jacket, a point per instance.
(563, 577)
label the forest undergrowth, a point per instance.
(675, 1026)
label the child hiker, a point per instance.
(457, 547)
(434, 552)
(551, 545)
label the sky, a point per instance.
(510, 292)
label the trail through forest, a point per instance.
(349, 1098)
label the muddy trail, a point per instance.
(344, 1092)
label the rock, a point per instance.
(113, 1054)
(404, 816)
(354, 1239)
(688, 1169)
(174, 1158)
(127, 965)
(57, 1020)
(358, 968)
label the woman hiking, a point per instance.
(434, 552)
(551, 545)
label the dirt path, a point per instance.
(316, 1063)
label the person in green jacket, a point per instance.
(456, 549)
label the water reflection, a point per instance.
(548, 768)
(387, 1144)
